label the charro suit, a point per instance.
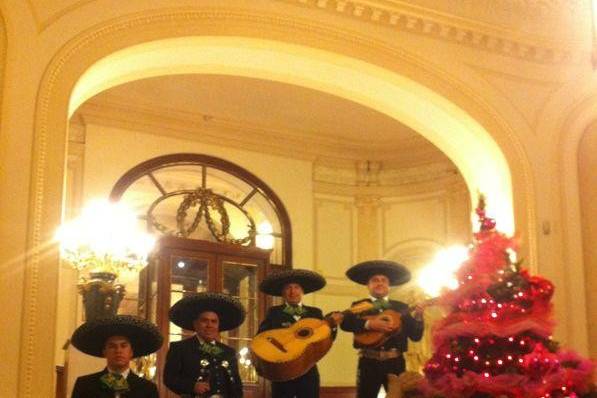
(306, 386)
(186, 363)
(372, 373)
(90, 386)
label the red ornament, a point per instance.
(540, 363)
(487, 224)
(541, 288)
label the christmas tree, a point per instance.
(496, 340)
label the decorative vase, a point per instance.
(101, 296)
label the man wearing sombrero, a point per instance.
(376, 363)
(118, 339)
(291, 285)
(201, 366)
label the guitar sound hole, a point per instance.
(304, 333)
(276, 344)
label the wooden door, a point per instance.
(181, 267)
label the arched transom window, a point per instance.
(202, 197)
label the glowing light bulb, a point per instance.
(264, 238)
(106, 237)
(440, 273)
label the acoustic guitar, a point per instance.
(287, 353)
(374, 338)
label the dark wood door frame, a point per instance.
(216, 254)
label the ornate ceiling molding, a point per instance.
(444, 173)
(243, 135)
(412, 18)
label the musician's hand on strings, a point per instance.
(336, 317)
(418, 312)
(380, 325)
(201, 387)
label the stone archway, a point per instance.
(571, 133)
(81, 66)
(452, 130)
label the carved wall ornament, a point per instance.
(201, 204)
(496, 38)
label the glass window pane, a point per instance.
(228, 185)
(260, 208)
(277, 254)
(240, 281)
(249, 327)
(140, 195)
(179, 177)
(189, 274)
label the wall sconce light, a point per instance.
(104, 240)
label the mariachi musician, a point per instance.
(119, 339)
(291, 285)
(375, 363)
(201, 366)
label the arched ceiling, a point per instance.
(325, 125)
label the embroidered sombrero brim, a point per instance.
(398, 274)
(274, 283)
(91, 336)
(230, 311)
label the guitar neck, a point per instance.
(335, 317)
(425, 303)
(367, 305)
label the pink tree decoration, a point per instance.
(496, 340)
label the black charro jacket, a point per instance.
(90, 386)
(410, 328)
(184, 367)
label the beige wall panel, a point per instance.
(21, 275)
(460, 225)
(334, 235)
(414, 218)
(587, 174)
(11, 260)
(338, 367)
(78, 364)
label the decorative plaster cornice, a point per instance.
(244, 135)
(432, 23)
(385, 176)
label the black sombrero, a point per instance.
(274, 283)
(91, 336)
(230, 311)
(398, 274)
